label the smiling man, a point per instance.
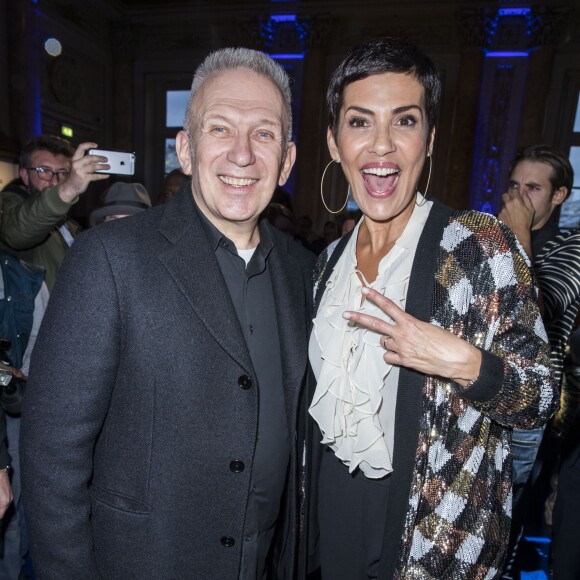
(166, 447)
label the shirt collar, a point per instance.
(216, 238)
(543, 235)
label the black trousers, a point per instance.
(352, 513)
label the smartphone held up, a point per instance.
(120, 162)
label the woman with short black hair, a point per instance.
(427, 347)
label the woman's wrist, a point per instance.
(469, 371)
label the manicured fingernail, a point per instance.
(346, 315)
(365, 290)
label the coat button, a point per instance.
(237, 466)
(245, 382)
(227, 541)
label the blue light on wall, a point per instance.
(506, 54)
(289, 56)
(283, 17)
(486, 207)
(514, 11)
(501, 90)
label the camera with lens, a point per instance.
(11, 387)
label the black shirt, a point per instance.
(250, 288)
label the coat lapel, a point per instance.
(410, 390)
(291, 309)
(192, 265)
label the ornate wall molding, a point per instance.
(476, 27)
(314, 31)
(503, 86)
(545, 24)
(286, 35)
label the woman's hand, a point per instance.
(419, 345)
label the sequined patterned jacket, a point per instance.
(449, 507)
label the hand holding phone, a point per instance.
(120, 162)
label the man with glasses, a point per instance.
(34, 223)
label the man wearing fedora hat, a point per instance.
(121, 200)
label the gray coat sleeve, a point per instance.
(71, 379)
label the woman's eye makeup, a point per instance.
(407, 120)
(357, 122)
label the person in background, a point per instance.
(160, 433)
(305, 234)
(6, 496)
(428, 348)
(23, 300)
(171, 185)
(281, 218)
(34, 224)
(540, 181)
(330, 233)
(282, 197)
(121, 200)
(348, 221)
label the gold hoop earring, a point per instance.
(322, 192)
(428, 180)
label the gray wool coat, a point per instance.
(141, 393)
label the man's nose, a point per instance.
(54, 179)
(242, 153)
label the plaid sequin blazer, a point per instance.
(449, 507)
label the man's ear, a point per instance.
(183, 152)
(24, 176)
(287, 163)
(559, 195)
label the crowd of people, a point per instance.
(212, 390)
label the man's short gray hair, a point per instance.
(234, 58)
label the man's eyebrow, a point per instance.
(272, 122)
(527, 183)
(52, 167)
(263, 121)
(215, 117)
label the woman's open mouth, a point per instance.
(380, 181)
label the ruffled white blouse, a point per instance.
(355, 398)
